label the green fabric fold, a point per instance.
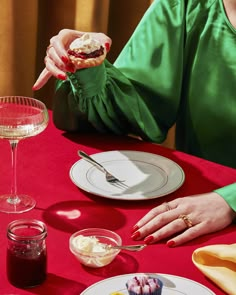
(178, 67)
(228, 193)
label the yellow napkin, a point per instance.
(218, 263)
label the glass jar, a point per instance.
(26, 253)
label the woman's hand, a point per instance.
(184, 219)
(56, 60)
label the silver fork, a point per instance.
(109, 177)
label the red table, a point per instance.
(44, 162)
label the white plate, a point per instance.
(172, 285)
(146, 175)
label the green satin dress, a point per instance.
(179, 66)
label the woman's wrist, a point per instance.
(228, 193)
(90, 81)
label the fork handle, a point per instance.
(86, 157)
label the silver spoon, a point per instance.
(133, 248)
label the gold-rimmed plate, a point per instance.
(172, 285)
(146, 175)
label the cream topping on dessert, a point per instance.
(85, 44)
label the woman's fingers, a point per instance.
(187, 235)
(42, 79)
(152, 214)
(47, 73)
(184, 219)
(54, 66)
(161, 227)
(175, 226)
(61, 43)
(57, 62)
(53, 59)
(56, 59)
(54, 69)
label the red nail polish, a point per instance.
(170, 243)
(70, 68)
(61, 77)
(135, 235)
(148, 240)
(107, 45)
(65, 59)
(135, 228)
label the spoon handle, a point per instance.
(130, 247)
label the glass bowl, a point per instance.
(90, 246)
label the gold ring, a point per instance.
(186, 220)
(49, 46)
(167, 206)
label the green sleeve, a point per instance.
(140, 93)
(228, 193)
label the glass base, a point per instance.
(16, 204)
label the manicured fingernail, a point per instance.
(70, 68)
(170, 243)
(65, 59)
(107, 45)
(135, 228)
(135, 235)
(61, 77)
(148, 240)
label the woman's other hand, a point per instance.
(184, 219)
(57, 62)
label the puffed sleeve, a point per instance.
(228, 193)
(140, 93)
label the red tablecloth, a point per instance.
(44, 162)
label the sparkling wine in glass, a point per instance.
(20, 117)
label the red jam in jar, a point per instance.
(26, 253)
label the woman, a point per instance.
(178, 67)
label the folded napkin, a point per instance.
(218, 263)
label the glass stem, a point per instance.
(14, 198)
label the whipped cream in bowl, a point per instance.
(90, 246)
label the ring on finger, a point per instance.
(188, 222)
(167, 206)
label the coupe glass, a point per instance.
(20, 117)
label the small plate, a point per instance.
(146, 176)
(172, 285)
